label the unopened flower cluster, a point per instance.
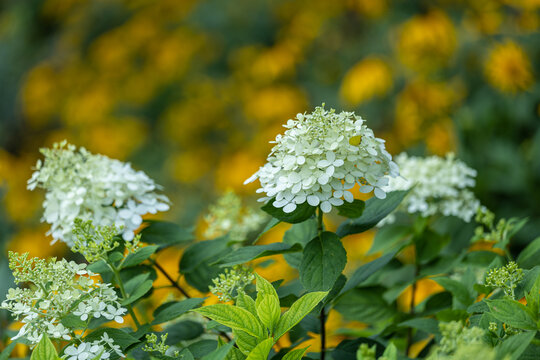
(103, 348)
(228, 284)
(320, 157)
(83, 185)
(228, 216)
(440, 186)
(459, 342)
(55, 289)
(488, 231)
(505, 278)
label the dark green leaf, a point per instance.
(389, 237)
(324, 259)
(512, 313)
(303, 212)
(172, 310)
(514, 346)
(220, 353)
(364, 304)
(376, 210)
(530, 256)
(366, 270)
(202, 252)
(301, 233)
(165, 233)
(248, 253)
(183, 330)
(352, 210)
(457, 289)
(427, 325)
(139, 292)
(139, 256)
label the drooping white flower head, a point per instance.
(441, 186)
(93, 187)
(320, 157)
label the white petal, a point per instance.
(289, 208)
(348, 196)
(313, 200)
(326, 207)
(379, 193)
(365, 189)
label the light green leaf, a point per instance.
(268, 310)
(390, 353)
(245, 342)
(261, 351)
(235, 354)
(171, 311)
(376, 210)
(139, 256)
(533, 297)
(298, 311)
(4, 355)
(295, 354)
(512, 313)
(245, 301)
(44, 350)
(323, 261)
(233, 317)
(248, 253)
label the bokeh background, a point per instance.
(191, 92)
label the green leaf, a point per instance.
(235, 354)
(352, 210)
(220, 353)
(172, 310)
(133, 283)
(183, 330)
(389, 237)
(4, 355)
(427, 325)
(139, 256)
(139, 292)
(268, 310)
(44, 350)
(295, 354)
(201, 253)
(298, 311)
(246, 302)
(390, 353)
(261, 351)
(514, 346)
(301, 233)
(120, 337)
(245, 342)
(233, 317)
(376, 210)
(165, 233)
(267, 303)
(273, 222)
(457, 289)
(366, 270)
(303, 212)
(429, 245)
(323, 261)
(248, 253)
(512, 313)
(364, 304)
(533, 297)
(530, 256)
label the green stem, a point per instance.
(120, 284)
(322, 316)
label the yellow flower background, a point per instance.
(191, 91)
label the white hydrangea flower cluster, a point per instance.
(228, 216)
(320, 157)
(55, 289)
(439, 186)
(94, 187)
(91, 350)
